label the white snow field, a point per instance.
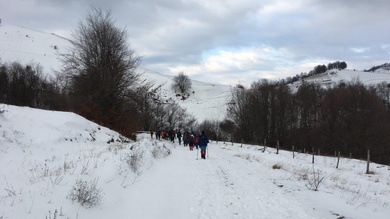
(44, 153)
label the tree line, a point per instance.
(317, 70)
(349, 117)
(27, 86)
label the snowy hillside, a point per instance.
(52, 161)
(206, 101)
(333, 77)
(30, 46)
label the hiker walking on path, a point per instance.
(203, 140)
(178, 135)
(186, 137)
(191, 142)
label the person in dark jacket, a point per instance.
(203, 140)
(178, 135)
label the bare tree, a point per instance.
(174, 113)
(4, 83)
(145, 105)
(238, 112)
(182, 83)
(227, 127)
(100, 67)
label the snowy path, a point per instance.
(183, 187)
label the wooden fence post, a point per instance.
(312, 160)
(338, 160)
(265, 142)
(293, 151)
(277, 147)
(368, 162)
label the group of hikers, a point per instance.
(190, 139)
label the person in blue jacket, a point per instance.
(203, 140)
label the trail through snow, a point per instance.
(181, 186)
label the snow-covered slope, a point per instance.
(206, 101)
(333, 77)
(44, 153)
(30, 46)
(46, 156)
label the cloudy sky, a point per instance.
(229, 41)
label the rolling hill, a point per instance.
(206, 100)
(333, 77)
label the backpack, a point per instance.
(203, 140)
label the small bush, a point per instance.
(303, 174)
(244, 156)
(156, 152)
(277, 166)
(86, 193)
(54, 216)
(160, 151)
(135, 161)
(313, 183)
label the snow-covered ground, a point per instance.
(44, 153)
(30, 46)
(334, 76)
(205, 101)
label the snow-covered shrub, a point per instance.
(244, 156)
(116, 147)
(314, 181)
(67, 165)
(86, 193)
(53, 215)
(156, 152)
(135, 160)
(11, 192)
(85, 168)
(303, 174)
(160, 151)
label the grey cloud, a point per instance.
(170, 33)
